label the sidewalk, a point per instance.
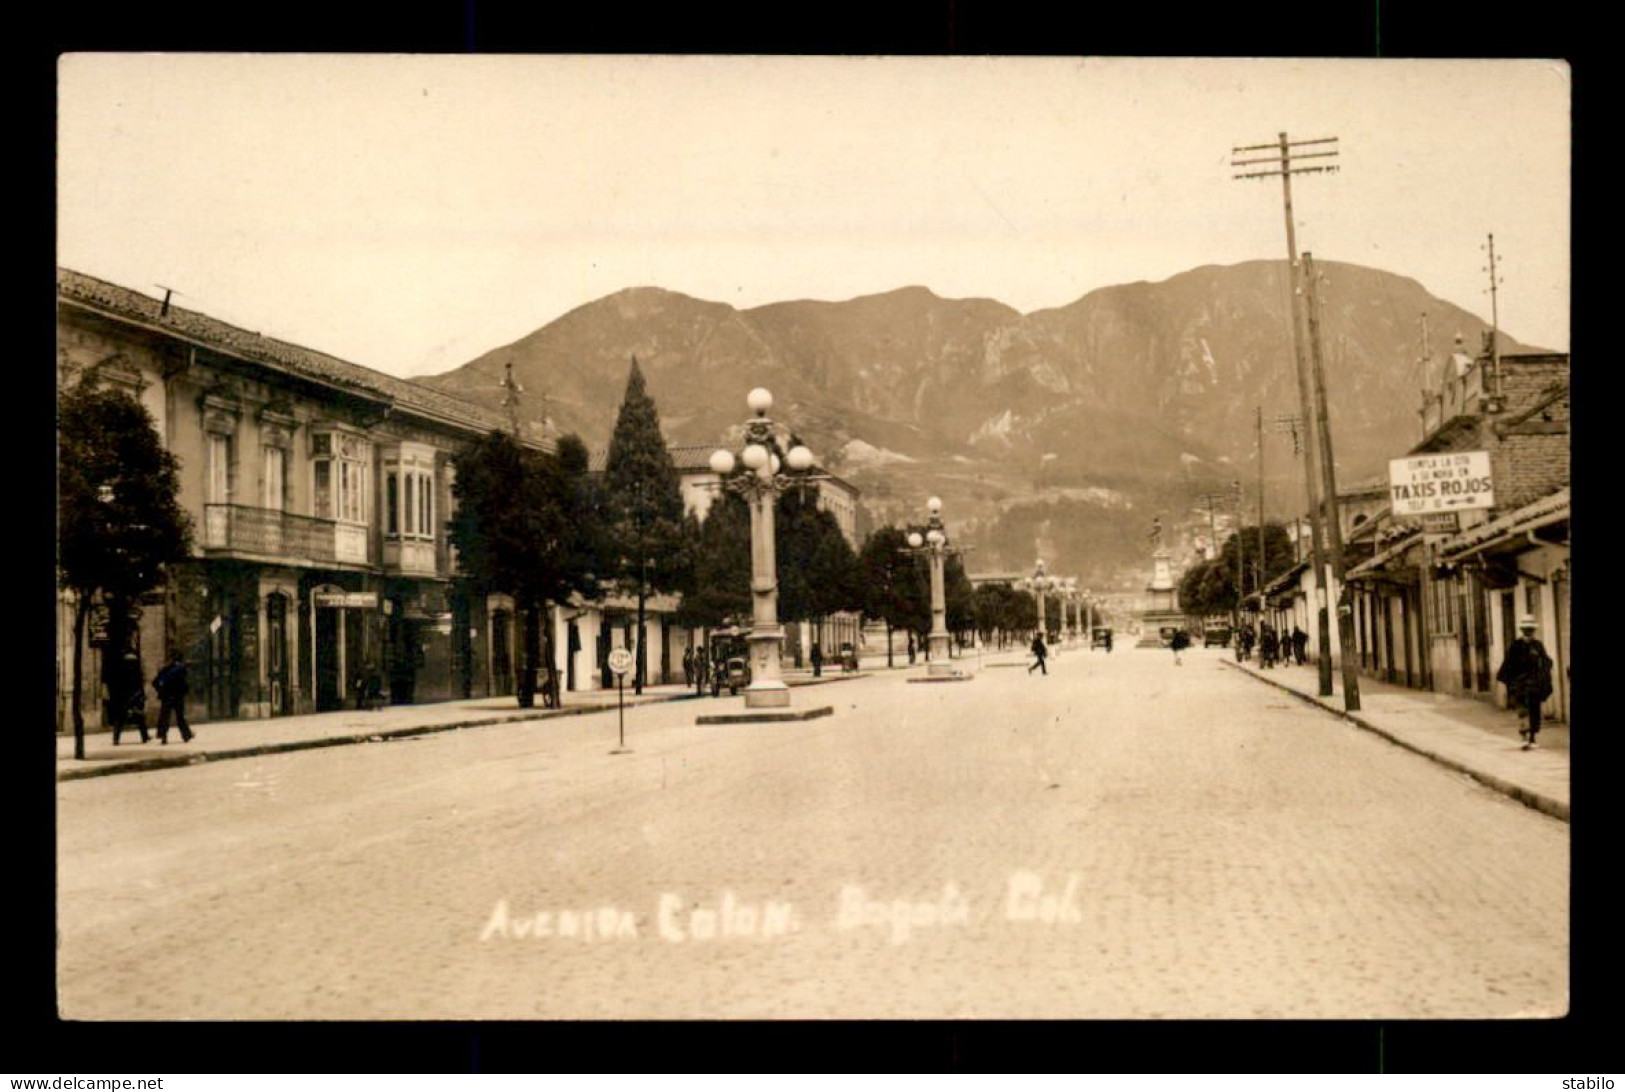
(1471, 736)
(216, 740)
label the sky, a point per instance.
(409, 213)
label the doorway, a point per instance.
(278, 669)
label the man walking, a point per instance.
(1040, 651)
(1527, 674)
(1300, 645)
(1179, 643)
(688, 667)
(817, 660)
(1267, 646)
(128, 709)
(170, 683)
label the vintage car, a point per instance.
(1101, 637)
(730, 663)
(1216, 636)
(849, 657)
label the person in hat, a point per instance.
(1526, 672)
(170, 685)
(1040, 653)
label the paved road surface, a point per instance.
(1201, 845)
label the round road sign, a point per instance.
(620, 661)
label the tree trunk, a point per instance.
(81, 608)
(888, 645)
(643, 638)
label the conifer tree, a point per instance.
(644, 508)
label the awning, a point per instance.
(1287, 581)
(1550, 509)
(1369, 569)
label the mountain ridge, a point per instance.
(1146, 388)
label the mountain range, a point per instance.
(1127, 403)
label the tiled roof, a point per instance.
(270, 352)
(1548, 509)
(1375, 484)
(1385, 555)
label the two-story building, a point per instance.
(319, 491)
(1437, 600)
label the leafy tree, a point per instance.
(644, 505)
(716, 586)
(960, 596)
(817, 568)
(120, 524)
(1277, 556)
(1208, 588)
(893, 584)
(526, 526)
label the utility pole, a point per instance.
(1345, 614)
(1422, 363)
(1281, 164)
(1210, 499)
(1241, 548)
(1495, 319)
(1290, 423)
(1260, 563)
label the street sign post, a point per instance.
(620, 662)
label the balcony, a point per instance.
(268, 533)
(410, 557)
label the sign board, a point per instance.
(620, 661)
(97, 623)
(1447, 481)
(361, 600)
(1441, 523)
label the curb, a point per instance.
(166, 762)
(1528, 797)
(143, 765)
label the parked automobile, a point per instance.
(1216, 636)
(730, 660)
(849, 657)
(1101, 637)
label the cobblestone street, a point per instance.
(1121, 839)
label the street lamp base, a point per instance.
(774, 695)
(938, 670)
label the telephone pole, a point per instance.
(1334, 527)
(1281, 163)
(1259, 565)
(1422, 363)
(1211, 499)
(1290, 423)
(1495, 319)
(1241, 547)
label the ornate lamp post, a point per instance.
(770, 468)
(934, 546)
(1040, 584)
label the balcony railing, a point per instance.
(267, 532)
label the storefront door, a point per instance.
(278, 677)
